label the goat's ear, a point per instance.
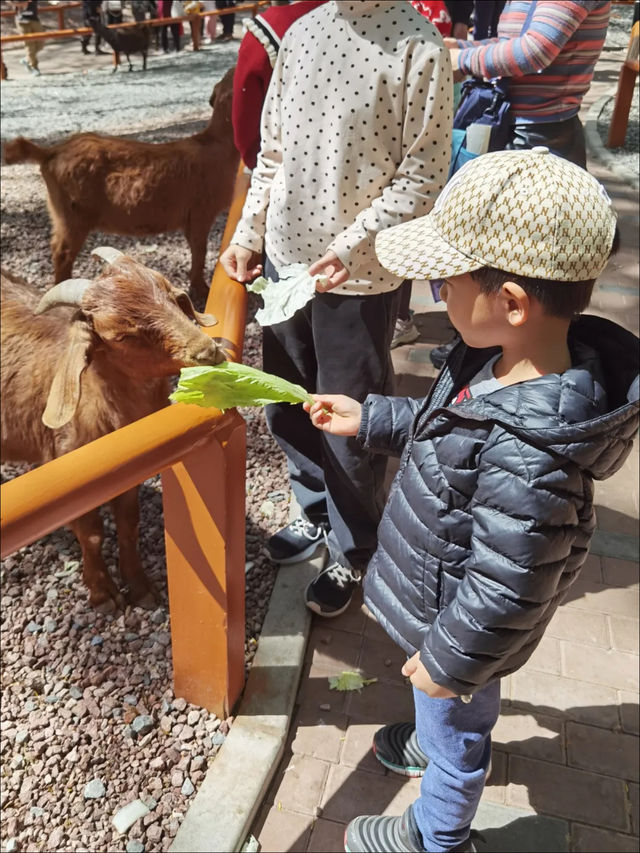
(64, 393)
(186, 306)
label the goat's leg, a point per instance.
(103, 592)
(65, 245)
(144, 60)
(196, 233)
(129, 61)
(126, 511)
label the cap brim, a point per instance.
(416, 250)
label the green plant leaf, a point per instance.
(229, 384)
(348, 680)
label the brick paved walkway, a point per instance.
(565, 761)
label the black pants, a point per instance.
(175, 35)
(336, 345)
(564, 138)
(227, 20)
(88, 14)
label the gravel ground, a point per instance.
(89, 722)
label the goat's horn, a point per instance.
(69, 292)
(107, 253)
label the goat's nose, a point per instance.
(210, 353)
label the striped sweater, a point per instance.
(551, 64)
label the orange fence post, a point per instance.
(194, 23)
(204, 516)
(624, 92)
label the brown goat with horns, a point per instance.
(123, 186)
(83, 360)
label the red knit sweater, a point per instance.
(253, 73)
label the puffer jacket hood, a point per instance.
(588, 414)
(490, 516)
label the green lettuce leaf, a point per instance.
(348, 680)
(229, 384)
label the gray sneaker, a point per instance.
(380, 834)
(405, 332)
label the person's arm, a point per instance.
(526, 524)
(381, 423)
(250, 230)
(250, 80)
(552, 25)
(422, 172)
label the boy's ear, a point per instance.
(517, 303)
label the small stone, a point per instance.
(218, 739)
(94, 790)
(142, 724)
(74, 692)
(166, 724)
(130, 699)
(388, 662)
(130, 636)
(186, 734)
(325, 706)
(33, 627)
(128, 815)
(158, 616)
(36, 811)
(193, 717)
(157, 763)
(179, 705)
(97, 640)
(177, 778)
(187, 787)
(267, 508)
(134, 846)
(50, 625)
(154, 833)
(198, 762)
(56, 838)
(22, 735)
(12, 845)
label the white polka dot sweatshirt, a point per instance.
(355, 138)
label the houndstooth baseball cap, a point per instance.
(525, 212)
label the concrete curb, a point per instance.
(220, 816)
(596, 147)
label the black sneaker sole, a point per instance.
(317, 608)
(300, 556)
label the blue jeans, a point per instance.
(457, 739)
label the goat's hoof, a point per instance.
(143, 594)
(106, 601)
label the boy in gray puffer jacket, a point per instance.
(490, 515)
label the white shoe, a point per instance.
(405, 332)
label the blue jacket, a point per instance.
(490, 515)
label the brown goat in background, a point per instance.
(122, 186)
(83, 360)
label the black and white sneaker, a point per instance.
(330, 593)
(295, 542)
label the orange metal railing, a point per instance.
(201, 455)
(624, 92)
(193, 20)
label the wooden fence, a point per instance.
(193, 20)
